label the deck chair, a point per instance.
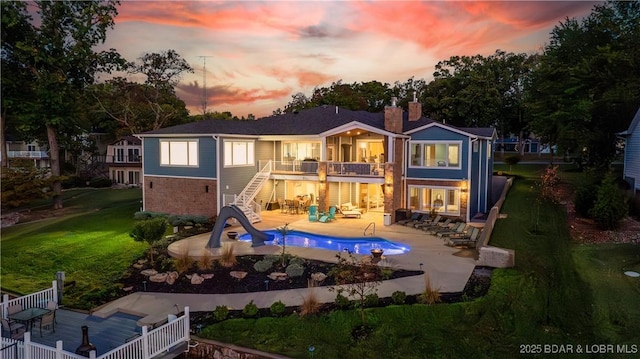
(12, 330)
(428, 222)
(313, 213)
(414, 217)
(458, 229)
(432, 229)
(48, 320)
(12, 309)
(467, 241)
(53, 306)
(328, 217)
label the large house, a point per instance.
(631, 172)
(124, 161)
(387, 162)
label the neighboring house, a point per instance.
(384, 162)
(631, 172)
(124, 161)
(17, 149)
(513, 144)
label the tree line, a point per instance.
(578, 93)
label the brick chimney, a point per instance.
(415, 109)
(393, 117)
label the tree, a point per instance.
(478, 91)
(56, 51)
(610, 206)
(150, 231)
(587, 85)
(149, 106)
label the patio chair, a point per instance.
(12, 330)
(467, 241)
(13, 309)
(53, 306)
(328, 217)
(414, 217)
(313, 213)
(440, 226)
(427, 222)
(48, 320)
(458, 229)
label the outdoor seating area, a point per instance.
(298, 205)
(455, 233)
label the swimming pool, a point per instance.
(359, 245)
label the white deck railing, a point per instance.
(38, 299)
(148, 345)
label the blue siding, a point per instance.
(439, 134)
(206, 159)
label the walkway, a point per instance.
(448, 268)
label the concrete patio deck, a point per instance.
(448, 268)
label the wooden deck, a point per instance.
(106, 334)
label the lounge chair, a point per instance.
(458, 229)
(414, 218)
(354, 213)
(328, 217)
(467, 241)
(427, 222)
(437, 227)
(313, 213)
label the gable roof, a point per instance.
(313, 121)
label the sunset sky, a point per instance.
(258, 54)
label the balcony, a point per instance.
(124, 159)
(333, 168)
(28, 154)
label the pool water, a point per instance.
(358, 245)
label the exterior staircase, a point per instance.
(245, 200)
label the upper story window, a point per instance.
(300, 151)
(239, 153)
(435, 154)
(179, 153)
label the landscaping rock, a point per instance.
(159, 277)
(238, 275)
(149, 272)
(278, 276)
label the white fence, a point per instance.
(38, 299)
(150, 344)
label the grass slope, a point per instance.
(91, 246)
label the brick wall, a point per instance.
(180, 195)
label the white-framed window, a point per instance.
(292, 151)
(239, 153)
(444, 200)
(179, 153)
(435, 154)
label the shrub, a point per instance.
(430, 294)
(371, 300)
(610, 206)
(206, 261)
(183, 262)
(277, 308)
(228, 257)
(585, 195)
(310, 303)
(296, 260)
(398, 297)
(187, 220)
(341, 301)
(262, 266)
(295, 270)
(271, 258)
(221, 313)
(250, 310)
(100, 182)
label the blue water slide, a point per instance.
(232, 211)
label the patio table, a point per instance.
(29, 315)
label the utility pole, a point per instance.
(204, 86)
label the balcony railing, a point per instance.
(124, 159)
(333, 168)
(28, 154)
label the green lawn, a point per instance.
(92, 246)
